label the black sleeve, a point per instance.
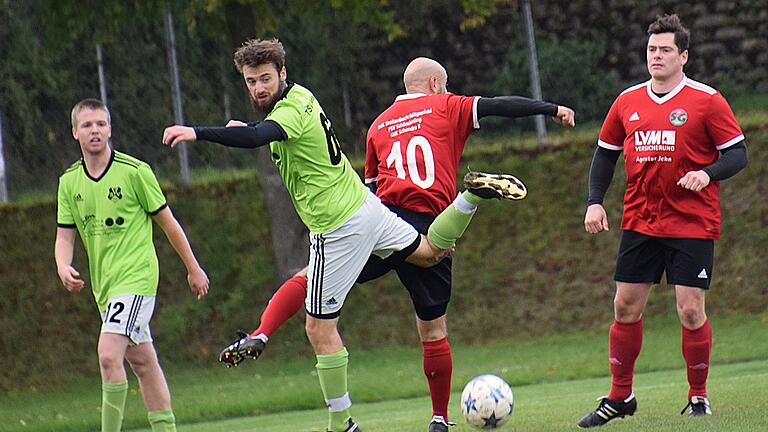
(732, 160)
(243, 137)
(601, 173)
(513, 106)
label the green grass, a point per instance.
(557, 406)
(568, 361)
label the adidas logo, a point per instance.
(331, 301)
(634, 117)
(703, 274)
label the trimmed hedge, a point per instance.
(523, 269)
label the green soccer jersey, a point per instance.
(324, 188)
(112, 214)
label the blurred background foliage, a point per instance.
(350, 53)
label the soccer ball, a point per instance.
(487, 402)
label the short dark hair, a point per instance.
(91, 104)
(256, 52)
(671, 24)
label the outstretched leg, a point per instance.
(450, 225)
(285, 303)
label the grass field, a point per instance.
(556, 379)
(739, 404)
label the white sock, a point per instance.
(463, 205)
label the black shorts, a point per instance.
(643, 259)
(430, 288)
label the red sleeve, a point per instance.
(612, 133)
(371, 161)
(722, 127)
(464, 110)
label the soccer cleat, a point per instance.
(352, 426)
(608, 410)
(698, 406)
(439, 424)
(498, 186)
(242, 347)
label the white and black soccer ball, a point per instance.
(487, 402)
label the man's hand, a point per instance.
(694, 180)
(595, 220)
(565, 116)
(71, 279)
(176, 134)
(198, 282)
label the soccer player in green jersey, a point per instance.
(347, 222)
(110, 199)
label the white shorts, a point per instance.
(129, 315)
(337, 258)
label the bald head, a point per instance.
(424, 75)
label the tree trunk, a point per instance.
(289, 235)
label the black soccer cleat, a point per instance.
(698, 406)
(352, 426)
(439, 424)
(495, 186)
(242, 347)
(608, 410)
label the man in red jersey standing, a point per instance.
(680, 138)
(412, 157)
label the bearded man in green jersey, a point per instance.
(110, 199)
(347, 222)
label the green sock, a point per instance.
(162, 421)
(474, 199)
(450, 225)
(332, 372)
(112, 405)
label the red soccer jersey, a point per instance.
(663, 138)
(413, 150)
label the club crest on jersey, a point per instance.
(115, 193)
(678, 117)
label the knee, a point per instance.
(626, 311)
(691, 317)
(139, 365)
(433, 336)
(430, 331)
(109, 362)
(315, 331)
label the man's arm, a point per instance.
(601, 173)
(600, 176)
(518, 106)
(63, 253)
(196, 277)
(241, 137)
(732, 160)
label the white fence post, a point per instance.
(533, 63)
(3, 184)
(176, 90)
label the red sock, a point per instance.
(697, 345)
(624, 344)
(438, 365)
(285, 302)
